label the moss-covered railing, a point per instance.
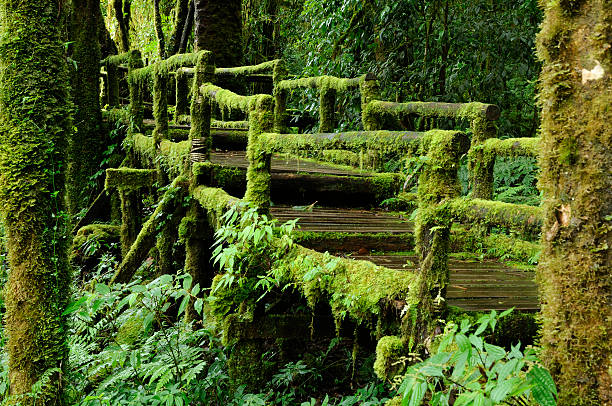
(111, 68)
(328, 88)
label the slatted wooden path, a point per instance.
(475, 285)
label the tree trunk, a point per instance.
(187, 28)
(159, 33)
(576, 262)
(181, 11)
(34, 129)
(87, 144)
(122, 13)
(218, 28)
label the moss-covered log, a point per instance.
(34, 129)
(129, 178)
(319, 82)
(147, 236)
(575, 266)
(518, 217)
(511, 147)
(356, 141)
(218, 28)
(87, 143)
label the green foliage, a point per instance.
(515, 180)
(466, 370)
(246, 249)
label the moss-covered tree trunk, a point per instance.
(218, 28)
(86, 146)
(181, 12)
(575, 272)
(123, 13)
(34, 129)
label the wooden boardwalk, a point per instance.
(475, 285)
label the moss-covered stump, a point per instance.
(575, 266)
(251, 339)
(388, 351)
(91, 242)
(35, 126)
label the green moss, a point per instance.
(241, 71)
(128, 178)
(116, 60)
(511, 147)
(94, 232)
(130, 331)
(200, 104)
(388, 351)
(230, 124)
(320, 82)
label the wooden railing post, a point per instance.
(201, 106)
(261, 120)
(280, 97)
(480, 164)
(370, 90)
(438, 183)
(136, 105)
(112, 83)
(327, 109)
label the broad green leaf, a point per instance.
(494, 352)
(501, 390)
(198, 305)
(462, 342)
(187, 282)
(183, 305)
(102, 289)
(74, 306)
(417, 394)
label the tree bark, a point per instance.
(87, 143)
(159, 33)
(34, 129)
(218, 28)
(576, 263)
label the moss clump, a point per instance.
(389, 349)
(130, 331)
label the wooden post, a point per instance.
(438, 183)
(280, 97)
(327, 109)
(136, 104)
(182, 95)
(112, 82)
(261, 120)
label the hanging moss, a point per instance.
(388, 350)
(35, 126)
(575, 180)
